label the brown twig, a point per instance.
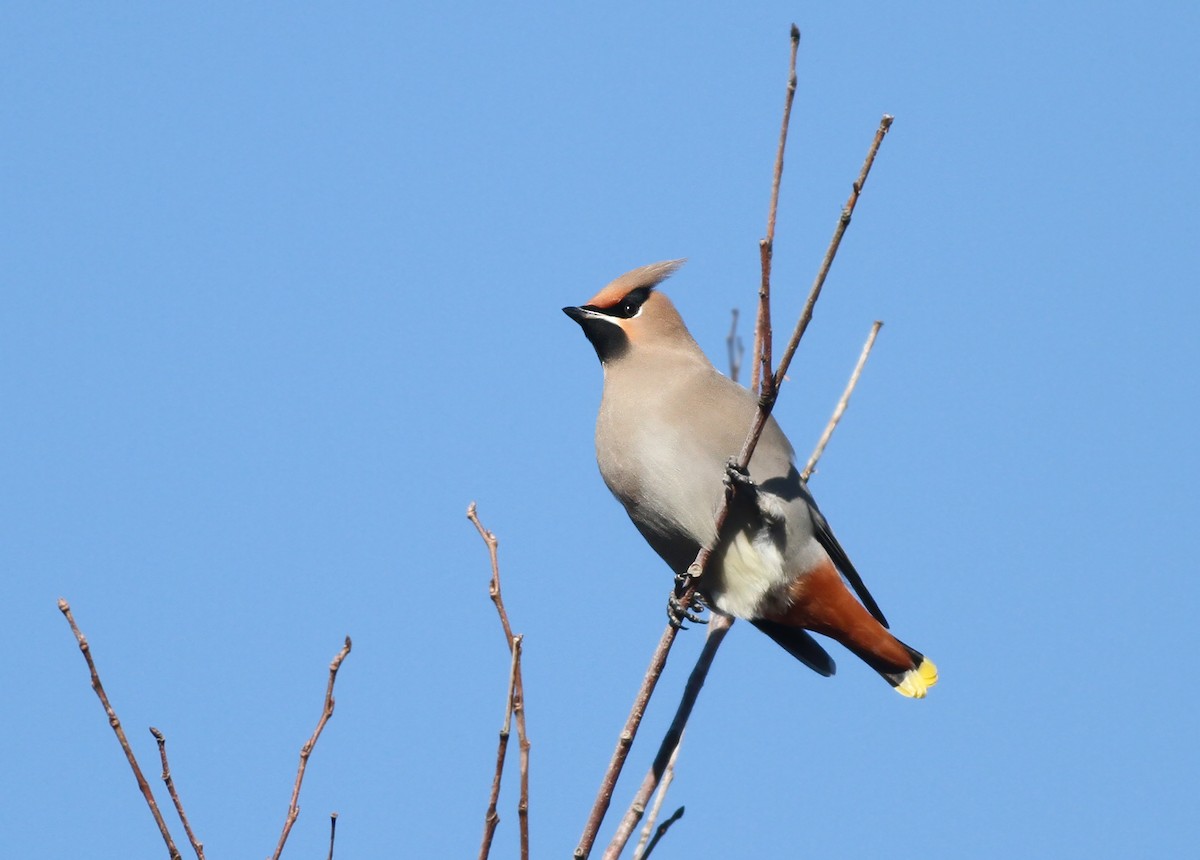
(736, 348)
(842, 403)
(492, 818)
(718, 626)
(516, 705)
(640, 851)
(843, 222)
(661, 832)
(766, 247)
(197, 846)
(143, 786)
(332, 832)
(306, 750)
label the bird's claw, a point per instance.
(684, 607)
(736, 475)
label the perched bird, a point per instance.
(669, 423)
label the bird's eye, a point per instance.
(632, 303)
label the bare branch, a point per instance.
(143, 786)
(492, 818)
(843, 222)
(761, 374)
(660, 795)
(840, 409)
(516, 705)
(718, 627)
(625, 740)
(306, 750)
(197, 846)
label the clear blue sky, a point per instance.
(281, 296)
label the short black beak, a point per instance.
(577, 314)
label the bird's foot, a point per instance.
(685, 602)
(737, 476)
(769, 505)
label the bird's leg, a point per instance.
(677, 609)
(767, 504)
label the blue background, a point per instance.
(281, 291)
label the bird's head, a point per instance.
(629, 315)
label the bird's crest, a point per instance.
(646, 277)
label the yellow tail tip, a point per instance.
(916, 682)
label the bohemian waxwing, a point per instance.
(668, 424)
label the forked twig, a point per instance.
(718, 627)
(766, 247)
(640, 850)
(842, 403)
(143, 786)
(515, 707)
(197, 846)
(306, 750)
(885, 125)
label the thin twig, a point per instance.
(306, 750)
(718, 627)
(197, 846)
(733, 343)
(143, 786)
(840, 409)
(843, 222)
(640, 851)
(332, 832)
(766, 247)
(516, 701)
(492, 818)
(662, 831)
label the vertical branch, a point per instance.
(516, 701)
(197, 846)
(766, 247)
(306, 750)
(840, 409)
(143, 786)
(492, 818)
(843, 222)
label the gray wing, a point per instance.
(788, 485)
